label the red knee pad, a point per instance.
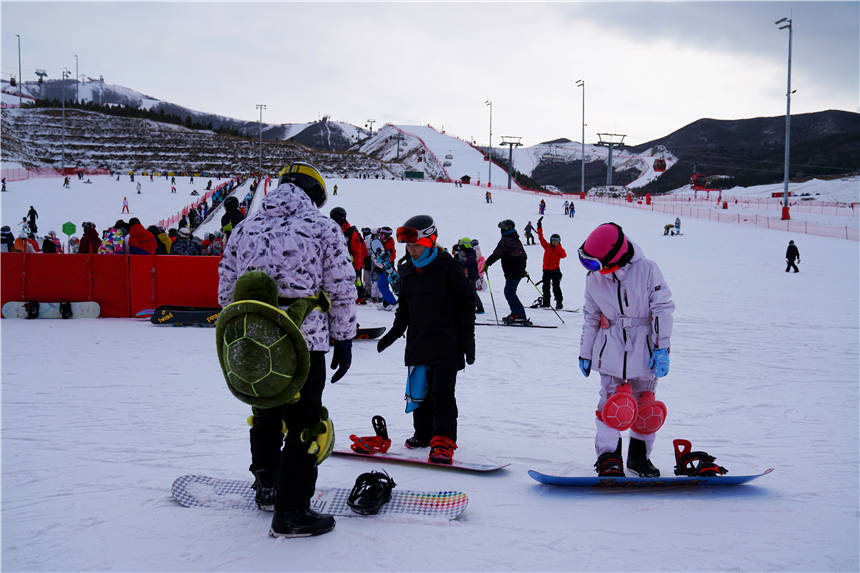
(651, 415)
(620, 410)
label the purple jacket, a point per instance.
(304, 251)
(638, 307)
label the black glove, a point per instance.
(469, 351)
(540, 222)
(341, 358)
(385, 342)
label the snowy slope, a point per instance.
(462, 158)
(764, 373)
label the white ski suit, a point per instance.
(636, 305)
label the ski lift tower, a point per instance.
(610, 140)
(42, 74)
(511, 141)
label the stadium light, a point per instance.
(581, 83)
(20, 78)
(785, 210)
(490, 147)
(261, 107)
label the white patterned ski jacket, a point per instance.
(304, 252)
(637, 305)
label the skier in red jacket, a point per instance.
(553, 252)
(357, 248)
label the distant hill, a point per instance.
(751, 151)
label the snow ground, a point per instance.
(764, 373)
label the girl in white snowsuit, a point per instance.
(625, 336)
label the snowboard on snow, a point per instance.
(635, 482)
(89, 309)
(185, 315)
(419, 457)
(208, 316)
(218, 493)
(516, 325)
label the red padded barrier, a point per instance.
(123, 285)
(56, 278)
(155, 280)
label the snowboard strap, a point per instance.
(66, 310)
(32, 309)
(690, 463)
(371, 491)
(372, 444)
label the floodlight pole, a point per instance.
(785, 210)
(490, 149)
(581, 83)
(261, 107)
(511, 143)
(20, 79)
(66, 73)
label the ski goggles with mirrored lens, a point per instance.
(589, 262)
(411, 235)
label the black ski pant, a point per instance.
(791, 265)
(553, 277)
(437, 414)
(296, 469)
(479, 306)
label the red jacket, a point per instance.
(140, 241)
(355, 243)
(551, 255)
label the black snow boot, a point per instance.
(264, 484)
(638, 462)
(300, 523)
(416, 442)
(610, 464)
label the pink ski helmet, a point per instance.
(606, 249)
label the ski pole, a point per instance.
(537, 289)
(490, 288)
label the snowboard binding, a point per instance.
(690, 463)
(65, 310)
(371, 491)
(32, 309)
(372, 444)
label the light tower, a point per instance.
(489, 102)
(610, 140)
(511, 141)
(785, 213)
(261, 107)
(581, 83)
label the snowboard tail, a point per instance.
(218, 493)
(636, 482)
(90, 309)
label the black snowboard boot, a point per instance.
(264, 484)
(610, 464)
(638, 462)
(300, 523)
(416, 442)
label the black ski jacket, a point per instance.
(792, 253)
(510, 249)
(436, 310)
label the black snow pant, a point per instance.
(791, 265)
(479, 305)
(296, 469)
(437, 414)
(552, 277)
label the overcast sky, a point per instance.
(649, 68)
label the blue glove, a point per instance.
(341, 358)
(660, 362)
(585, 366)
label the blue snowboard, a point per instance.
(629, 482)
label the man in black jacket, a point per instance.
(437, 312)
(513, 255)
(232, 216)
(791, 255)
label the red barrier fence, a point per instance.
(123, 285)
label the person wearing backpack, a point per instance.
(304, 253)
(357, 248)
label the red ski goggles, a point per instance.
(427, 237)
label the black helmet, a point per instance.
(308, 179)
(555, 237)
(231, 203)
(417, 228)
(506, 225)
(365, 231)
(338, 214)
